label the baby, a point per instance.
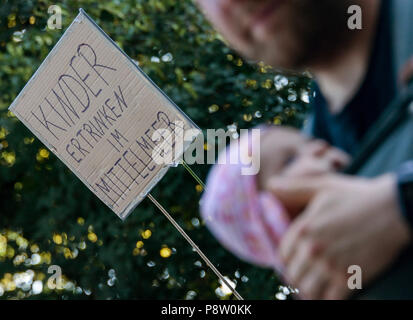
(243, 216)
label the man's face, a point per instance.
(291, 34)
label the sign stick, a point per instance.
(194, 246)
(193, 174)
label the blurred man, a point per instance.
(348, 220)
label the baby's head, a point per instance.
(287, 152)
(244, 217)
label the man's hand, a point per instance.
(347, 221)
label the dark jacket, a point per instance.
(393, 150)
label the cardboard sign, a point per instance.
(92, 106)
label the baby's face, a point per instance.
(286, 152)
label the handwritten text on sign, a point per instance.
(98, 112)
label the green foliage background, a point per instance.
(101, 256)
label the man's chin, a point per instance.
(286, 58)
(286, 62)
